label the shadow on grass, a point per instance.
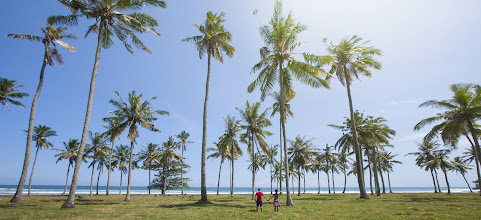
(200, 204)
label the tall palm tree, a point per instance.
(165, 156)
(425, 153)
(278, 65)
(440, 159)
(214, 40)
(343, 161)
(118, 18)
(462, 111)
(111, 134)
(131, 114)
(95, 150)
(255, 133)
(220, 151)
(461, 166)
(121, 157)
(102, 161)
(301, 152)
(317, 166)
(183, 136)
(347, 60)
(51, 37)
(40, 135)
(330, 159)
(276, 110)
(9, 92)
(387, 162)
(147, 155)
(70, 153)
(230, 139)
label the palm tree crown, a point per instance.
(9, 92)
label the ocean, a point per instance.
(81, 190)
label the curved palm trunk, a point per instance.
(360, 176)
(328, 182)
(127, 197)
(370, 171)
(70, 203)
(318, 183)
(434, 182)
(17, 198)
(389, 182)
(299, 181)
(280, 148)
(110, 168)
(120, 189)
(476, 159)
(31, 173)
(98, 180)
(476, 147)
(218, 180)
(286, 164)
(66, 181)
(447, 182)
(333, 185)
(467, 183)
(203, 187)
(437, 181)
(92, 178)
(382, 181)
(375, 169)
(345, 179)
(181, 172)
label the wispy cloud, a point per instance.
(404, 102)
(413, 136)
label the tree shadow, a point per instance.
(199, 204)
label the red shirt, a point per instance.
(259, 196)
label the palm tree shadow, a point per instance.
(199, 204)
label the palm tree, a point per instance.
(230, 139)
(111, 19)
(9, 92)
(278, 65)
(50, 38)
(97, 145)
(470, 156)
(40, 135)
(462, 111)
(387, 162)
(348, 59)
(111, 134)
(219, 151)
(254, 126)
(276, 109)
(165, 156)
(301, 152)
(70, 153)
(440, 159)
(425, 153)
(121, 157)
(330, 158)
(147, 155)
(461, 166)
(214, 40)
(317, 166)
(101, 158)
(278, 172)
(183, 136)
(130, 114)
(271, 157)
(343, 162)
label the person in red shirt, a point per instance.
(259, 196)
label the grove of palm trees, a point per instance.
(324, 102)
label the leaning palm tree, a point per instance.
(111, 134)
(121, 157)
(461, 166)
(440, 159)
(387, 162)
(9, 92)
(230, 139)
(51, 37)
(347, 60)
(165, 156)
(131, 114)
(301, 152)
(214, 40)
(425, 153)
(470, 156)
(461, 112)
(40, 135)
(278, 65)
(255, 133)
(118, 18)
(70, 153)
(183, 136)
(220, 151)
(147, 155)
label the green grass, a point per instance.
(337, 206)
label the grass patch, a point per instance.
(324, 206)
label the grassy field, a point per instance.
(337, 206)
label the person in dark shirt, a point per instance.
(259, 196)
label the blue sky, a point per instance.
(427, 46)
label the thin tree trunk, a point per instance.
(165, 180)
(280, 148)
(375, 171)
(345, 179)
(253, 156)
(70, 203)
(437, 181)
(389, 182)
(476, 147)
(318, 183)
(66, 181)
(110, 168)
(328, 182)
(98, 180)
(299, 182)
(434, 182)
(17, 198)
(370, 171)
(120, 190)
(31, 173)
(181, 171)
(447, 182)
(476, 159)
(127, 197)
(467, 183)
(382, 180)
(203, 186)
(286, 164)
(360, 176)
(150, 164)
(270, 166)
(218, 180)
(232, 165)
(304, 182)
(92, 178)
(333, 184)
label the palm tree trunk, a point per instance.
(98, 180)
(328, 182)
(375, 169)
(389, 182)
(165, 180)
(345, 179)
(434, 182)
(382, 180)
(66, 181)
(31, 173)
(232, 175)
(181, 171)
(476, 147)
(218, 180)
(253, 156)
(286, 164)
(299, 181)
(280, 148)
(270, 166)
(150, 164)
(110, 168)
(127, 197)
(360, 176)
(92, 178)
(70, 203)
(447, 182)
(120, 189)
(203, 187)
(370, 171)
(333, 187)
(476, 159)
(304, 182)
(437, 181)
(17, 198)
(467, 183)
(318, 183)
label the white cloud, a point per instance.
(413, 136)
(404, 102)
